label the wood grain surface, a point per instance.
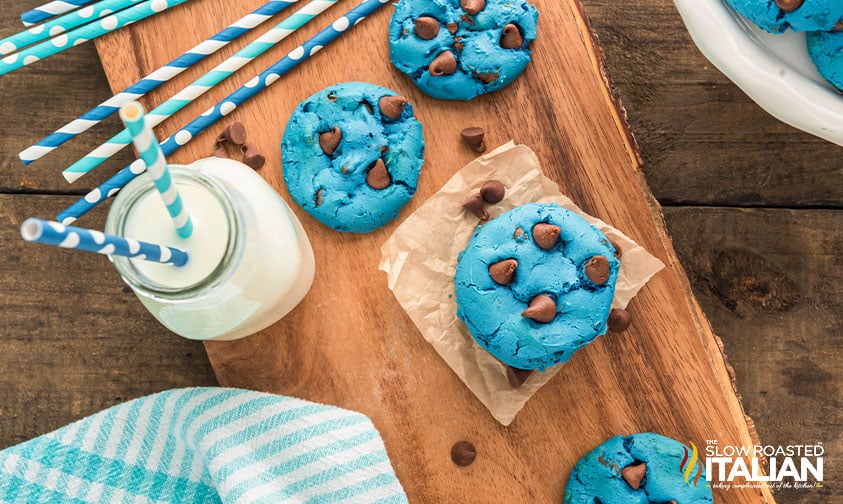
(67, 351)
(350, 344)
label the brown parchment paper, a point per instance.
(420, 258)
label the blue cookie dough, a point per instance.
(475, 45)
(826, 50)
(811, 15)
(333, 188)
(597, 476)
(492, 312)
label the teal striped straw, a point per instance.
(134, 117)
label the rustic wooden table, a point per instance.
(753, 206)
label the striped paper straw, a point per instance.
(224, 107)
(132, 115)
(200, 86)
(53, 233)
(62, 24)
(50, 10)
(153, 80)
(85, 33)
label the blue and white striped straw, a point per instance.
(85, 33)
(53, 233)
(62, 24)
(132, 115)
(153, 80)
(50, 10)
(113, 185)
(200, 86)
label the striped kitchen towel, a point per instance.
(205, 445)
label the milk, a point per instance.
(249, 260)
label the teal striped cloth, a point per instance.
(205, 445)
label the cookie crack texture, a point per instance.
(337, 182)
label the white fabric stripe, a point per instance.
(70, 433)
(265, 437)
(194, 402)
(163, 431)
(118, 430)
(232, 64)
(140, 432)
(310, 469)
(121, 99)
(74, 485)
(315, 7)
(92, 433)
(94, 492)
(76, 126)
(291, 452)
(374, 494)
(346, 480)
(208, 47)
(225, 407)
(237, 426)
(174, 469)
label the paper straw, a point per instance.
(53, 233)
(85, 33)
(153, 80)
(62, 24)
(50, 10)
(201, 86)
(132, 115)
(225, 107)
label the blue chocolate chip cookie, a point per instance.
(638, 469)
(351, 155)
(776, 16)
(459, 49)
(536, 284)
(826, 51)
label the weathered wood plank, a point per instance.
(769, 281)
(73, 339)
(703, 140)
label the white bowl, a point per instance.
(774, 70)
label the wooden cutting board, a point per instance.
(350, 344)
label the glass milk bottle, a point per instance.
(249, 260)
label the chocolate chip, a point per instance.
(329, 140)
(518, 232)
(597, 269)
(474, 137)
(220, 151)
(511, 37)
(368, 106)
(473, 6)
(332, 96)
(546, 235)
(517, 377)
(619, 320)
(463, 453)
(618, 251)
(234, 133)
(542, 309)
(378, 177)
(502, 271)
(318, 198)
(789, 5)
(458, 44)
(838, 26)
(453, 27)
(633, 474)
(427, 28)
(252, 156)
(492, 191)
(487, 78)
(392, 106)
(444, 64)
(477, 206)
